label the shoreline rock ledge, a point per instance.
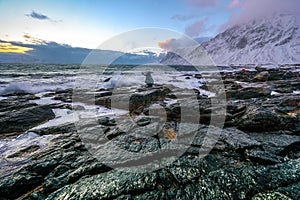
(256, 156)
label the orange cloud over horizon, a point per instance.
(167, 44)
(27, 36)
(176, 43)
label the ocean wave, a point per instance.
(17, 88)
(27, 88)
(121, 80)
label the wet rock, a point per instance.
(236, 109)
(107, 185)
(86, 96)
(288, 105)
(246, 76)
(103, 101)
(262, 76)
(286, 86)
(19, 92)
(16, 152)
(20, 184)
(133, 100)
(270, 196)
(291, 151)
(78, 107)
(102, 93)
(277, 143)
(114, 133)
(267, 68)
(249, 92)
(226, 139)
(75, 161)
(145, 98)
(24, 119)
(24, 151)
(234, 183)
(144, 121)
(187, 169)
(56, 130)
(291, 191)
(282, 75)
(104, 121)
(65, 96)
(262, 157)
(61, 106)
(121, 149)
(65, 174)
(107, 79)
(8, 105)
(290, 102)
(61, 162)
(236, 139)
(259, 120)
(173, 112)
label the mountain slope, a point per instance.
(271, 40)
(55, 53)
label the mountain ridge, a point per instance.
(273, 40)
(47, 52)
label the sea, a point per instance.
(39, 78)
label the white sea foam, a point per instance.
(123, 80)
(17, 88)
(63, 116)
(297, 92)
(29, 88)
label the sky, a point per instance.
(88, 23)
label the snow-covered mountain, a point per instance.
(156, 54)
(200, 40)
(270, 40)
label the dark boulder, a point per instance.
(258, 120)
(263, 76)
(249, 92)
(24, 119)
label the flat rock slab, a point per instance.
(24, 119)
(240, 183)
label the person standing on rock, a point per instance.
(149, 80)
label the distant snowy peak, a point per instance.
(271, 40)
(152, 52)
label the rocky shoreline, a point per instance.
(256, 155)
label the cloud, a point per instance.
(40, 16)
(169, 44)
(203, 3)
(27, 36)
(173, 44)
(184, 17)
(196, 28)
(255, 9)
(234, 4)
(34, 40)
(37, 15)
(214, 3)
